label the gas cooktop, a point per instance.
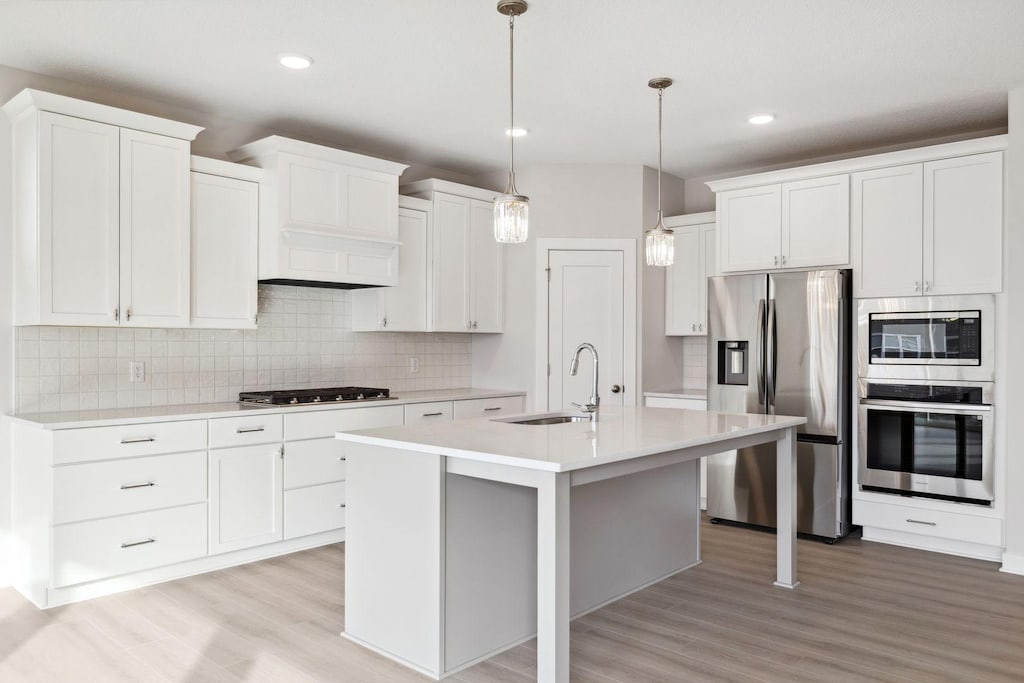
(303, 396)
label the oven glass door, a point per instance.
(936, 442)
(943, 338)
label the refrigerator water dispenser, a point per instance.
(732, 362)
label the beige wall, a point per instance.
(1011, 375)
(610, 201)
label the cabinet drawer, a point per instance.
(314, 509)
(664, 402)
(936, 523)
(118, 487)
(88, 551)
(439, 411)
(323, 423)
(246, 431)
(488, 407)
(316, 461)
(127, 441)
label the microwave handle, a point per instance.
(922, 406)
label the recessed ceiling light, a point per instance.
(295, 61)
(516, 132)
(761, 119)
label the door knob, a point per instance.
(616, 388)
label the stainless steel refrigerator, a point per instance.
(780, 344)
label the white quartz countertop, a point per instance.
(201, 411)
(695, 394)
(619, 434)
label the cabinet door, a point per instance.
(710, 256)
(370, 203)
(683, 283)
(816, 222)
(963, 225)
(245, 497)
(749, 223)
(887, 231)
(451, 263)
(154, 233)
(78, 221)
(225, 221)
(487, 270)
(405, 305)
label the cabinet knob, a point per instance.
(474, 324)
(117, 314)
(384, 322)
(693, 327)
(782, 259)
(700, 327)
(776, 260)
(927, 286)
(917, 286)
(128, 314)
(616, 388)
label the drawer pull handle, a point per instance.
(248, 430)
(341, 505)
(432, 414)
(125, 487)
(147, 439)
(487, 410)
(918, 521)
(341, 458)
(132, 545)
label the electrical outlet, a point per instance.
(414, 365)
(137, 371)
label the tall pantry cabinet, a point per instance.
(101, 211)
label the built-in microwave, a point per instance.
(933, 338)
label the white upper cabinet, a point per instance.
(101, 207)
(686, 280)
(750, 226)
(225, 221)
(887, 231)
(931, 228)
(816, 222)
(963, 224)
(467, 264)
(797, 224)
(404, 307)
(326, 215)
(154, 230)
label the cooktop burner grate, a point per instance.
(300, 396)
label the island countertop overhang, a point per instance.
(619, 434)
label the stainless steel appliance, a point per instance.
(925, 422)
(779, 344)
(927, 439)
(303, 396)
(944, 338)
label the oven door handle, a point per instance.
(922, 406)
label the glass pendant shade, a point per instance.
(659, 243)
(511, 218)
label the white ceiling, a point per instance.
(426, 80)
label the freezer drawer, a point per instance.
(741, 488)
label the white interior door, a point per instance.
(589, 299)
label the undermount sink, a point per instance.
(545, 419)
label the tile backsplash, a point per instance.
(695, 362)
(304, 340)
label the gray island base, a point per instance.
(468, 538)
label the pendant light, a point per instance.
(659, 240)
(511, 210)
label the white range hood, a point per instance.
(328, 218)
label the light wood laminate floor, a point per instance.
(864, 611)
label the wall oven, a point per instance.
(927, 439)
(933, 338)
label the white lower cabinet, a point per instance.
(314, 509)
(939, 526)
(488, 407)
(245, 497)
(103, 548)
(436, 411)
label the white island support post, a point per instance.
(403, 511)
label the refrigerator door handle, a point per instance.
(773, 353)
(760, 351)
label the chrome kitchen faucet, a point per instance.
(594, 401)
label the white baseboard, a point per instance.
(1013, 564)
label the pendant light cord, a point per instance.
(511, 105)
(661, 94)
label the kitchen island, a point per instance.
(465, 539)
